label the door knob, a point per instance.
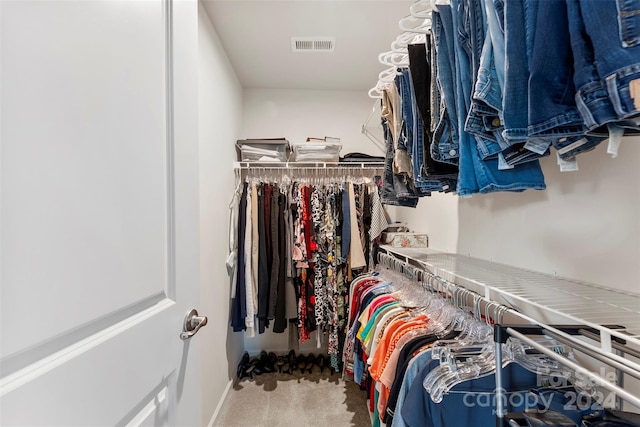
(192, 324)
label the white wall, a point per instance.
(585, 226)
(220, 113)
(298, 114)
(295, 115)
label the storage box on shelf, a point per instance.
(263, 150)
(325, 149)
(405, 239)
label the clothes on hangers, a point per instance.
(500, 99)
(248, 266)
(463, 405)
(239, 301)
(263, 257)
(293, 267)
(396, 345)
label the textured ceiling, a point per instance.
(257, 38)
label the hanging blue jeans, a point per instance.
(395, 190)
(483, 120)
(445, 144)
(553, 115)
(607, 66)
(427, 172)
(477, 175)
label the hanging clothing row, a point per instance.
(474, 106)
(298, 243)
(424, 350)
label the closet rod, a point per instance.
(577, 368)
(308, 165)
(614, 344)
(582, 345)
(598, 356)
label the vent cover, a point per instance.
(313, 44)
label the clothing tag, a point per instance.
(502, 163)
(567, 165)
(615, 137)
(634, 90)
(538, 147)
(231, 261)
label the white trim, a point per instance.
(170, 142)
(42, 366)
(220, 403)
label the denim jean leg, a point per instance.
(477, 175)
(407, 107)
(419, 85)
(394, 190)
(434, 88)
(494, 11)
(591, 96)
(485, 104)
(401, 159)
(443, 35)
(516, 94)
(387, 193)
(467, 183)
(423, 185)
(520, 151)
(553, 114)
(477, 26)
(552, 108)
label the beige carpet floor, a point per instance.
(295, 400)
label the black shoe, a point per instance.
(272, 361)
(264, 363)
(256, 366)
(301, 363)
(321, 362)
(311, 360)
(243, 367)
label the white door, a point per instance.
(99, 212)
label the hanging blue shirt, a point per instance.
(471, 403)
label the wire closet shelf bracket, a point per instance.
(609, 316)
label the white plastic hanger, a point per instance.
(385, 58)
(389, 75)
(375, 112)
(421, 9)
(375, 93)
(405, 39)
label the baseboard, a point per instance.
(220, 403)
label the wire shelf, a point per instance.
(574, 301)
(308, 165)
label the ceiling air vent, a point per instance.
(313, 44)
